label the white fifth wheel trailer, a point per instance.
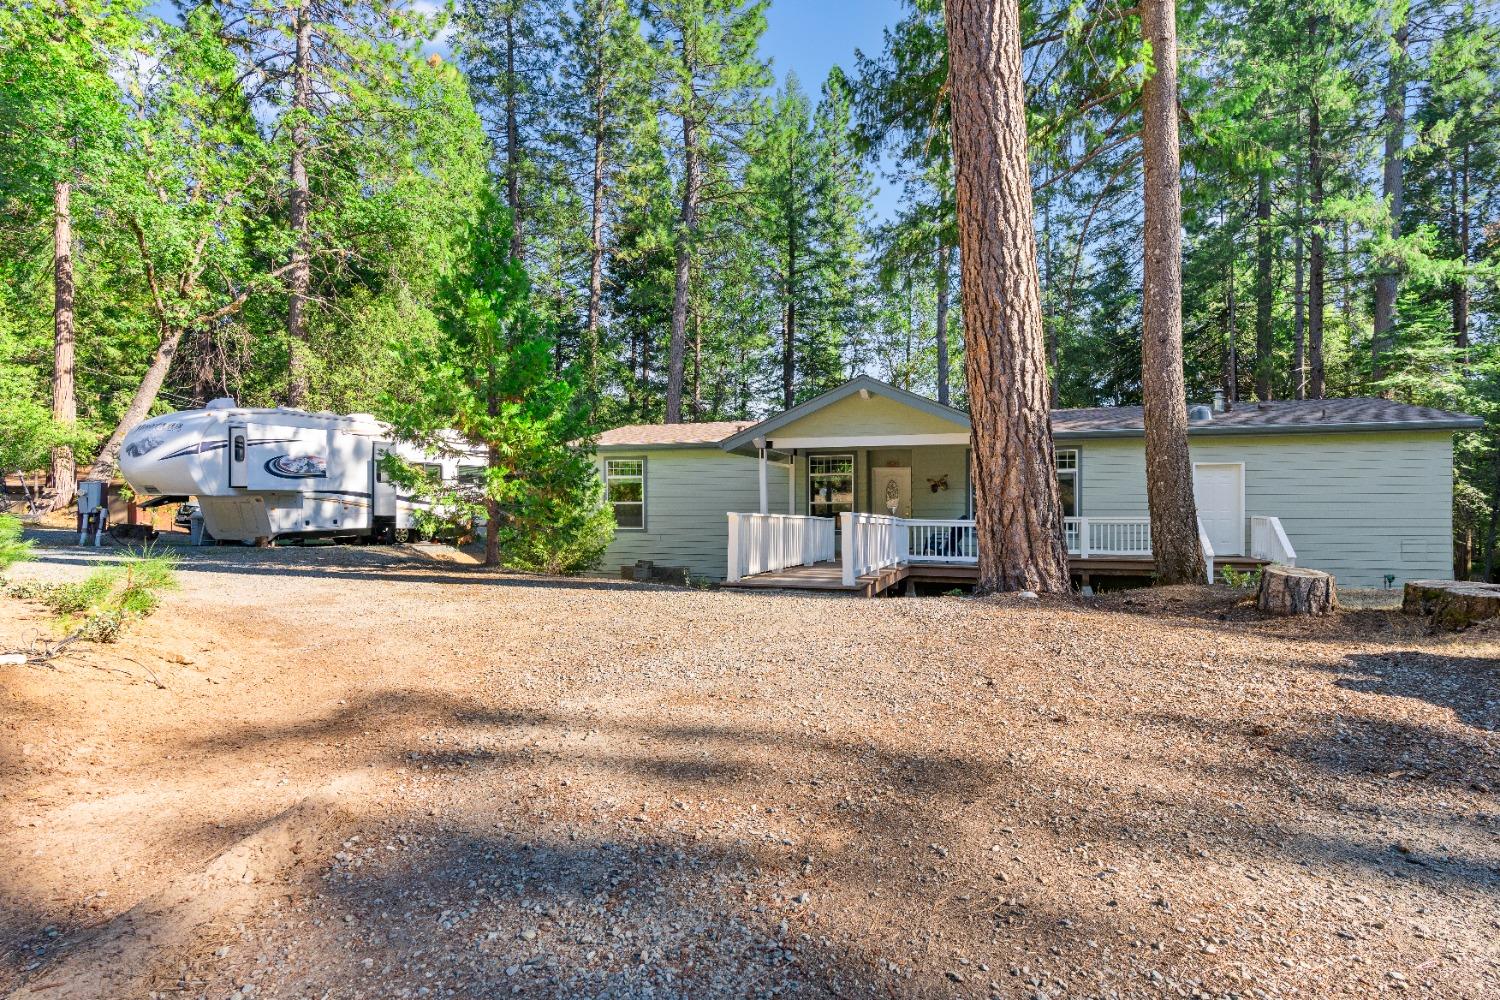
(264, 474)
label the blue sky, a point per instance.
(812, 36)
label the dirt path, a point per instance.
(373, 775)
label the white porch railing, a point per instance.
(765, 543)
(872, 542)
(1107, 536)
(941, 542)
(1268, 541)
(1122, 536)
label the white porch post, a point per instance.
(791, 482)
(765, 504)
(734, 575)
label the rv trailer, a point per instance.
(264, 474)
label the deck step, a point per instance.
(829, 576)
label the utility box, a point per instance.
(91, 495)
(93, 511)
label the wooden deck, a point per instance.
(828, 576)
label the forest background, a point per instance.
(272, 199)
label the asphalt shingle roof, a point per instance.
(1308, 414)
(645, 435)
(1290, 415)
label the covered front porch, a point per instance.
(877, 493)
(869, 554)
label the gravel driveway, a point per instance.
(370, 774)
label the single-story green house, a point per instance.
(868, 476)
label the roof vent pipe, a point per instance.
(1218, 400)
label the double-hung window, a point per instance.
(830, 484)
(1067, 480)
(625, 487)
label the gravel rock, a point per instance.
(589, 788)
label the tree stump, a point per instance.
(1453, 604)
(1293, 590)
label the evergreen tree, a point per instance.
(708, 72)
(489, 380)
(807, 189)
(60, 126)
(332, 78)
(606, 71)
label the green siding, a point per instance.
(927, 461)
(689, 492)
(1358, 505)
(931, 463)
(856, 417)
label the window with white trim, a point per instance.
(830, 485)
(625, 488)
(1067, 480)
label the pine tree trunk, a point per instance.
(789, 325)
(1317, 257)
(1232, 352)
(644, 380)
(1490, 529)
(697, 365)
(1049, 305)
(1169, 467)
(512, 140)
(64, 397)
(1018, 515)
(107, 464)
(687, 226)
(1461, 283)
(1265, 361)
(1391, 188)
(299, 281)
(944, 264)
(1299, 305)
(591, 345)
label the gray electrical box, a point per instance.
(91, 495)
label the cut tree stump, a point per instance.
(1453, 604)
(1293, 590)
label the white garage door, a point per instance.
(1219, 490)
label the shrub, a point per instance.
(13, 548)
(99, 606)
(1249, 580)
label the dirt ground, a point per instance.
(363, 773)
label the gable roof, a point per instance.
(860, 383)
(671, 435)
(1276, 416)
(1282, 416)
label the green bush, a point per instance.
(1249, 580)
(99, 606)
(13, 548)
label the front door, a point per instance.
(892, 492)
(1219, 490)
